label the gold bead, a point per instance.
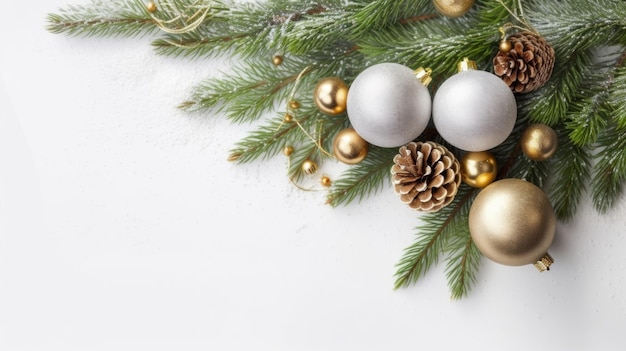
(330, 96)
(288, 118)
(294, 105)
(505, 45)
(326, 181)
(288, 150)
(277, 60)
(151, 6)
(478, 169)
(309, 166)
(512, 222)
(453, 8)
(349, 147)
(539, 142)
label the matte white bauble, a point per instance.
(474, 110)
(389, 104)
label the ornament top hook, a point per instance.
(424, 75)
(466, 64)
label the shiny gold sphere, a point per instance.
(326, 181)
(453, 8)
(512, 222)
(294, 105)
(277, 60)
(151, 6)
(309, 166)
(288, 118)
(330, 96)
(505, 45)
(349, 147)
(288, 150)
(539, 142)
(478, 169)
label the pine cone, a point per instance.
(425, 175)
(528, 65)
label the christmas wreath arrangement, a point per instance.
(491, 119)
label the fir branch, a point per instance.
(610, 171)
(571, 169)
(268, 139)
(363, 179)
(248, 91)
(112, 18)
(436, 43)
(431, 238)
(550, 104)
(379, 14)
(463, 262)
(573, 26)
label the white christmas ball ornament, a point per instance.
(474, 110)
(389, 105)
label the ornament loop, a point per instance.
(424, 75)
(466, 64)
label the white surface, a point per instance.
(122, 227)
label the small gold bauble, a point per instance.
(330, 96)
(453, 8)
(349, 147)
(288, 118)
(309, 166)
(478, 169)
(512, 222)
(539, 142)
(151, 6)
(326, 181)
(294, 105)
(288, 150)
(277, 60)
(505, 45)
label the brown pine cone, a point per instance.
(528, 65)
(425, 175)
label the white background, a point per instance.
(123, 227)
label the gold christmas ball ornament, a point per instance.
(294, 104)
(151, 6)
(277, 60)
(349, 147)
(326, 181)
(539, 142)
(309, 167)
(288, 150)
(505, 45)
(330, 96)
(478, 169)
(453, 8)
(512, 223)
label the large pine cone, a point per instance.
(528, 65)
(426, 175)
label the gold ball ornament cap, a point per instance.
(539, 142)
(349, 147)
(453, 8)
(478, 169)
(512, 222)
(330, 96)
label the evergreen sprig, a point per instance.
(584, 100)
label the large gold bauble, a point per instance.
(512, 222)
(539, 142)
(330, 96)
(478, 169)
(453, 8)
(349, 147)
